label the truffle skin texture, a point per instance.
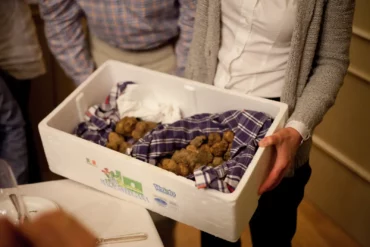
(228, 136)
(113, 146)
(191, 148)
(217, 161)
(198, 141)
(169, 165)
(126, 125)
(183, 170)
(137, 135)
(123, 147)
(205, 147)
(141, 126)
(213, 138)
(220, 148)
(114, 137)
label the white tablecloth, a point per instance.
(106, 216)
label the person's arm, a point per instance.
(332, 60)
(331, 64)
(66, 38)
(186, 25)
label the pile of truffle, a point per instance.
(128, 128)
(202, 151)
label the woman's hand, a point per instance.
(286, 142)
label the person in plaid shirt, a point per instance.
(155, 34)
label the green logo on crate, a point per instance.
(124, 184)
(132, 185)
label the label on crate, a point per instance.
(117, 181)
(162, 202)
(164, 190)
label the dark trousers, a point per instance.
(20, 90)
(275, 220)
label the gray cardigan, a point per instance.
(318, 60)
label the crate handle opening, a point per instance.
(81, 106)
(192, 98)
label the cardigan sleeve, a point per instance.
(330, 65)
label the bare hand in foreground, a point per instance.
(56, 229)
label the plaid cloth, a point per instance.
(249, 128)
(101, 119)
(129, 25)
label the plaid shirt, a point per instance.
(249, 128)
(128, 25)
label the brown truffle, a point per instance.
(126, 125)
(227, 155)
(191, 148)
(197, 166)
(151, 125)
(213, 138)
(114, 137)
(141, 126)
(169, 165)
(204, 158)
(198, 141)
(183, 156)
(205, 147)
(228, 136)
(164, 163)
(123, 147)
(217, 161)
(220, 148)
(136, 134)
(113, 146)
(180, 156)
(183, 170)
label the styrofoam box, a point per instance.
(223, 215)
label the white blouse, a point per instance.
(256, 38)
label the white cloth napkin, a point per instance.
(137, 101)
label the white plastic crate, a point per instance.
(223, 215)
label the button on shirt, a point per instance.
(256, 42)
(256, 37)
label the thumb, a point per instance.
(269, 141)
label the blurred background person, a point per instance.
(13, 144)
(20, 61)
(155, 34)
